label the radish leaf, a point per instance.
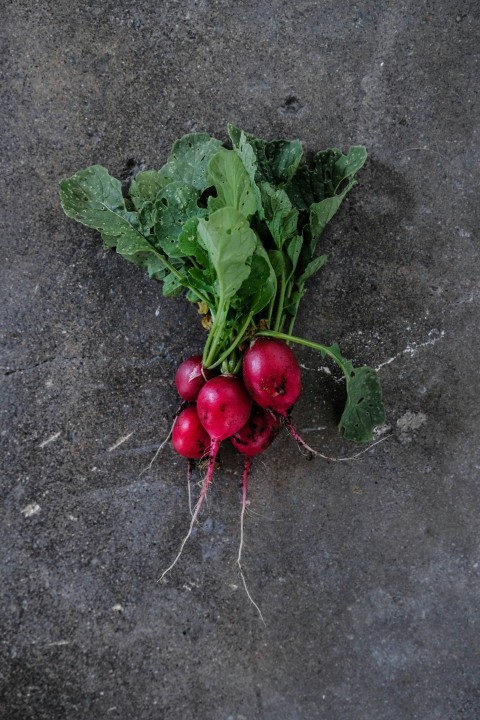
(175, 204)
(232, 183)
(277, 160)
(230, 243)
(364, 408)
(189, 159)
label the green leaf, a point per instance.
(294, 249)
(189, 242)
(281, 217)
(312, 267)
(259, 287)
(332, 170)
(201, 279)
(156, 268)
(322, 212)
(277, 160)
(246, 154)
(94, 198)
(146, 186)
(364, 409)
(230, 243)
(188, 161)
(175, 204)
(234, 188)
(280, 263)
(172, 286)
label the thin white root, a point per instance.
(189, 486)
(352, 457)
(240, 547)
(179, 554)
(205, 485)
(185, 539)
(159, 449)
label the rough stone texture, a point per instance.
(367, 572)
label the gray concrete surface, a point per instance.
(367, 572)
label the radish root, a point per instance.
(160, 448)
(246, 470)
(291, 429)
(205, 485)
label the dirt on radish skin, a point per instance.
(257, 434)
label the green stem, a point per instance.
(294, 317)
(207, 345)
(234, 344)
(217, 330)
(281, 299)
(324, 349)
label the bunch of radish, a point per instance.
(236, 231)
(249, 413)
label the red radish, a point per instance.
(223, 407)
(257, 434)
(191, 377)
(271, 374)
(189, 437)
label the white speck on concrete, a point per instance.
(58, 643)
(31, 509)
(322, 368)
(49, 440)
(411, 421)
(412, 348)
(117, 607)
(120, 441)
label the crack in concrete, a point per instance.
(28, 368)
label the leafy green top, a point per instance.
(237, 230)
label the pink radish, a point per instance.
(257, 434)
(189, 437)
(272, 376)
(223, 407)
(191, 377)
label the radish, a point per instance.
(241, 245)
(190, 378)
(272, 376)
(189, 437)
(223, 407)
(257, 434)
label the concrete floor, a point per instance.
(367, 572)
